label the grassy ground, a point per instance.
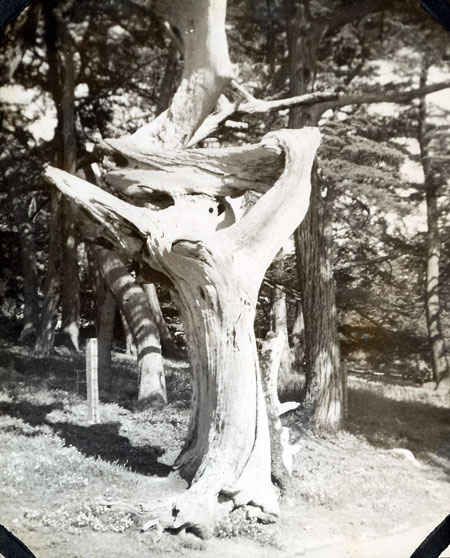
(70, 489)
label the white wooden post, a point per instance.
(92, 380)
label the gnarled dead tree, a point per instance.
(216, 273)
(181, 227)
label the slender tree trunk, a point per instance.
(439, 358)
(324, 397)
(60, 55)
(270, 358)
(135, 306)
(106, 312)
(46, 333)
(130, 347)
(158, 318)
(436, 339)
(70, 292)
(279, 328)
(167, 87)
(30, 281)
(298, 338)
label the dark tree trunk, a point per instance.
(70, 288)
(298, 339)
(70, 281)
(60, 55)
(106, 312)
(30, 281)
(168, 83)
(436, 340)
(324, 396)
(46, 333)
(324, 384)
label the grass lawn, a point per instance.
(70, 489)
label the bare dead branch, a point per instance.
(254, 106)
(214, 172)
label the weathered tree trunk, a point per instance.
(323, 401)
(106, 312)
(227, 453)
(439, 358)
(206, 71)
(134, 304)
(219, 309)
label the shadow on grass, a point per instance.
(388, 423)
(66, 371)
(98, 440)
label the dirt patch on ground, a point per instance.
(70, 489)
